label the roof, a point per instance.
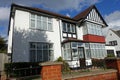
(42, 11)
(81, 15)
(116, 32)
(84, 14)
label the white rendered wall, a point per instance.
(23, 35)
(10, 37)
(79, 32)
(111, 36)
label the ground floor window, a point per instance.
(79, 50)
(40, 51)
(118, 53)
(67, 51)
(110, 53)
(97, 50)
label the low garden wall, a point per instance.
(52, 71)
(104, 75)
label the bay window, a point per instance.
(97, 50)
(92, 28)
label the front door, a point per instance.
(81, 57)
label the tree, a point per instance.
(3, 45)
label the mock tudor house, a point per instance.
(37, 35)
(113, 39)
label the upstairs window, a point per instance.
(41, 22)
(113, 43)
(68, 27)
(92, 28)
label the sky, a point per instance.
(109, 9)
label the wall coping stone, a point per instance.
(112, 58)
(95, 73)
(50, 63)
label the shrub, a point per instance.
(65, 66)
(110, 55)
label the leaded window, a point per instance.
(41, 51)
(41, 22)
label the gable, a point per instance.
(91, 14)
(94, 16)
(111, 36)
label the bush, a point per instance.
(65, 66)
(110, 55)
(21, 69)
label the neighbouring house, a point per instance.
(113, 39)
(37, 35)
(111, 51)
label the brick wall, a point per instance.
(113, 63)
(51, 71)
(104, 76)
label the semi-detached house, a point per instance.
(37, 35)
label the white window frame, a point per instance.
(41, 26)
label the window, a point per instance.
(64, 27)
(68, 27)
(113, 43)
(97, 50)
(74, 54)
(67, 51)
(87, 49)
(110, 53)
(40, 51)
(92, 28)
(32, 21)
(40, 22)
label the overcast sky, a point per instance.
(109, 9)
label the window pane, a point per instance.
(74, 44)
(32, 23)
(44, 25)
(50, 20)
(64, 26)
(88, 55)
(73, 28)
(74, 54)
(39, 56)
(39, 25)
(68, 27)
(45, 55)
(39, 18)
(45, 46)
(32, 56)
(50, 26)
(32, 45)
(39, 46)
(33, 16)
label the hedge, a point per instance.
(21, 69)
